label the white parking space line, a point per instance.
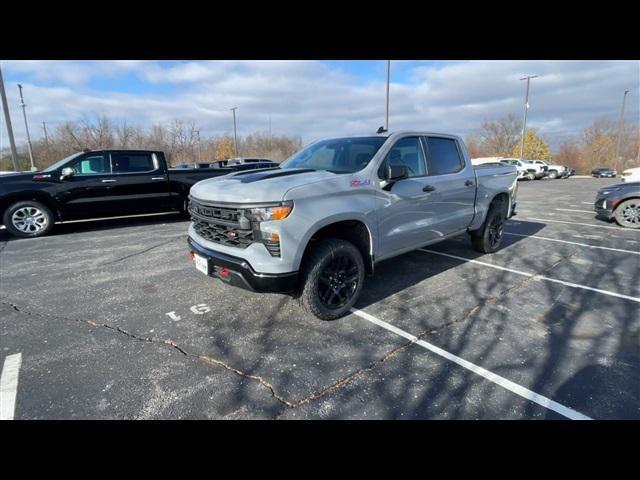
(574, 243)
(620, 229)
(577, 211)
(492, 377)
(534, 276)
(587, 203)
(9, 386)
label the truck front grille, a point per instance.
(223, 234)
(227, 226)
(214, 213)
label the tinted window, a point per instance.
(132, 162)
(91, 165)
(443, 156)
(340, 155)
(407, 152)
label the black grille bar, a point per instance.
(223, 234)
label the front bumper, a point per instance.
(604, 208)
(239, 273)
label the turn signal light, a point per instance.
(280, 213)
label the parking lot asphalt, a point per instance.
(112, 321)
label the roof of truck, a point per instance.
(397, 132)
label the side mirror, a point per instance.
(396, 172)
(66, 172)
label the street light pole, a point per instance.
(386, 114)
(235, 134)
(26, 127)
(526, 108)
(7, 118)
(199, 147)
(620, 126)
(46, 139)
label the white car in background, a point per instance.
(526, 170)
(553, 171)
(522, 172)
(631, 175)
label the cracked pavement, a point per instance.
(113, 321)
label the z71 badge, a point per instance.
(360, 183)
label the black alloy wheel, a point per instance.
(338, 282)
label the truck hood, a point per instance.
(257, 186)
(14, 177)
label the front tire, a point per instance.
(553, 175)
(531, 176)
(333, 274)
(627, 214)
(28, 219)
(489, 237)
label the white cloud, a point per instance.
(311, 99)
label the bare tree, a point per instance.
(499, 137)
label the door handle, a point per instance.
(468, 183)
(428, 188)
(108, 181)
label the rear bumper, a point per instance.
(239, 273)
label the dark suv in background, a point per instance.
(601, 172)
(619, 202)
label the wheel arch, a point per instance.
(633, 196)
(354, 230)
(41, 197)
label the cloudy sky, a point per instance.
(321, 98)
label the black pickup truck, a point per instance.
(97, 184)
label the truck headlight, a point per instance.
(265, 214)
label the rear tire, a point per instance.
(531, 176)
(627, 214)
(28, 219)
(333, 273)
(553, 175)
(489, 237)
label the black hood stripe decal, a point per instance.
(266, 175)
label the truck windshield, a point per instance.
(55, 166)
(337, 155)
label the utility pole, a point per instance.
(26, 127)
(386, 114)
(7, 118)
(199, 147)
(235, 134)
(526, 108)
(46, 138)
(620, 126)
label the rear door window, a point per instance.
(133, 162)
(444, 156)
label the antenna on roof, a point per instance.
(381, 130)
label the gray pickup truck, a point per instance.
(315, 226)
